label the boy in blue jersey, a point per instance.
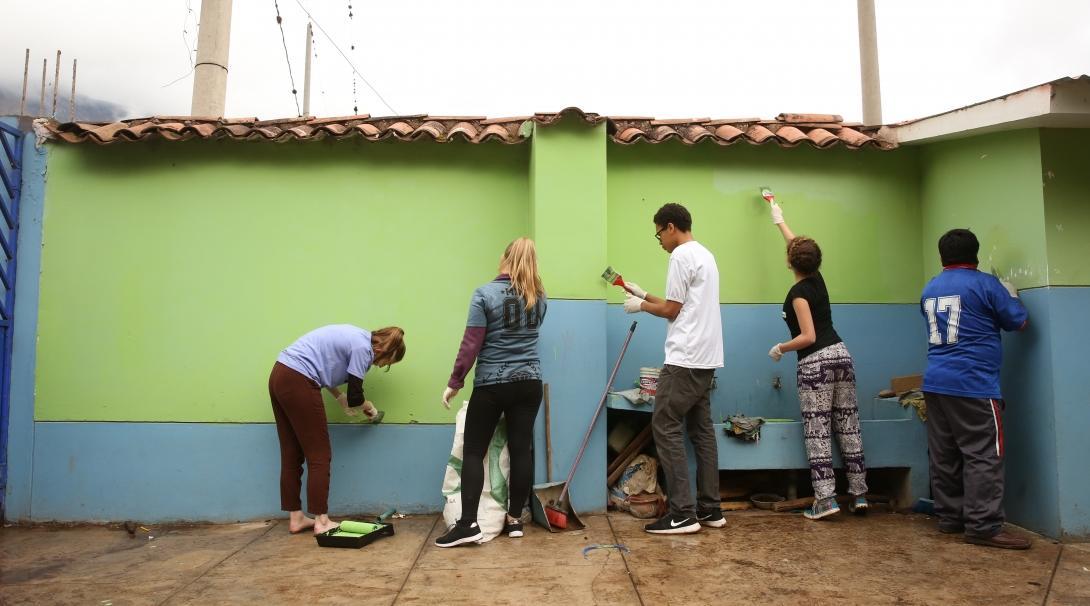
(964, 310)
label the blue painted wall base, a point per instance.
(158, 472)
(884, 341)
(1047, 391)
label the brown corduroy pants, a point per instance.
(304, 435)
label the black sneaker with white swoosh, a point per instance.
(712, 518)
(673, 524)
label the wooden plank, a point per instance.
(637, 442)
(634, 452)
(900, 385)
(735, 505)
(792, 504)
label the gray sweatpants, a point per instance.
(965, 444)
(682, 403)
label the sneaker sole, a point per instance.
(859, 511)
(824, 514)
(714, 524)
(989, 543)
(688, 529)
(515, 534)
(473, 539)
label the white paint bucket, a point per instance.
(649, 380)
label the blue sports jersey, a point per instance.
(964, 310)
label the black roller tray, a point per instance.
(326, 539)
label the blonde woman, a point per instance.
(324, 357)
(501, 335)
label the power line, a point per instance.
(294, 92)
(350, 64)
(189, 50)
(352, 49)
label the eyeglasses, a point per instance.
(658, 234)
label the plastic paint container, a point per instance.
(649, 380)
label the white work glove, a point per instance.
(775, 353)
(369, 409)
(448, 394)
(348, 410)
(1010, 288)
(632, 304)
(635, 289)
(777, 213)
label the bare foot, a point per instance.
(297, 524)
(321, 526)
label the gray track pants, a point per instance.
(965, 444)
(682, 404)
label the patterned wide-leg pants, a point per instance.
(826, 380)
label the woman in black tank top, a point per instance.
(826, 377)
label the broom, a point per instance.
(557, 517)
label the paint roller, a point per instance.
(351, 528)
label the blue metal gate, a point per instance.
(11, 179)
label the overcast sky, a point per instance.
(682, 58)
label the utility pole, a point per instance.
(26, 74)
(56, 83)
(210, 72)
(868, 63)
(72, 97)
(41, 100)
(306, 74)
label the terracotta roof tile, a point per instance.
(369, 131)
(759, 134)
(791, 118)
(727, 133)
(855, 137)
(431, 128)
(629, 135)
(788, 130)
(791, 135)
(465, 130)
(822, 137)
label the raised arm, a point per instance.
(778, 221)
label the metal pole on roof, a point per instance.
(868, 63)
(41, 100)
(72, 97)
(210, 72)
(26, 74)
(306, 73)
(56, 83)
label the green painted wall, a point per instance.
(568, 208)
(990, 184)
(1065, 164)
(861, 206)
(173, 273)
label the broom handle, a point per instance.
(597, 412)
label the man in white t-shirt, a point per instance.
(694, 349)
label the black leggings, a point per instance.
(518, 402)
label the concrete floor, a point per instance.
(766, 558)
